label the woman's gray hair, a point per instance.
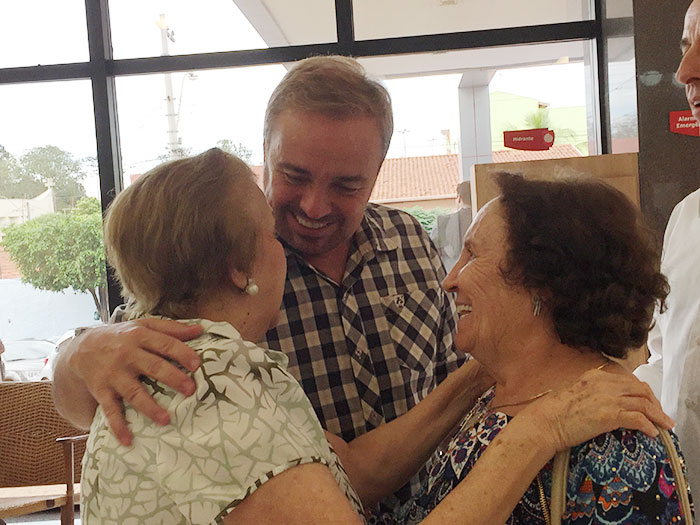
(173, 236)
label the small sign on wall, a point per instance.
(683, 123)
(529, 139)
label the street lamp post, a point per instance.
(174, 141)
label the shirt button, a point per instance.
(357, 353)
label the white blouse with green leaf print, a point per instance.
(248, 420)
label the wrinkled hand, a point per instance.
(600, 401)
(110, 358)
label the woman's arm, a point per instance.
(103, 365)
(598, 402)
(380, 462)
(304, 494)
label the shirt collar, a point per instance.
(221, 328)
(380, 235)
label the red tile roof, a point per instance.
(438, 175)
(411, 177)
(407, 178)
(559, 151)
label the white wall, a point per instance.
(26, 312)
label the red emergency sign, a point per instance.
(683, 123)
(529, 139)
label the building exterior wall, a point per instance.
(15, 211)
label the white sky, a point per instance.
(218, 104)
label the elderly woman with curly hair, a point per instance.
(554, 279)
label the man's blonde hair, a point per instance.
(175, 233)
(334, 86)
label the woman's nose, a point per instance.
(449, 283)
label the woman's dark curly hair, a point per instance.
(585, 246)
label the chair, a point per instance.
(35, 474)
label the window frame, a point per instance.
(102, 70)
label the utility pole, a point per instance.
(174, 142)
(403, 137)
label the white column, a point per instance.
(474, 121)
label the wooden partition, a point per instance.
(620, 171)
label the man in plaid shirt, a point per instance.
(366, 326)
(365, 323)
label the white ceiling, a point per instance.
(285, 22)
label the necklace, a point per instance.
(528, 400)
(543, 499)
(537, 396)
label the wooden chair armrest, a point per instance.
(68, 444)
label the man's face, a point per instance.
(319, 174)
(689, 69)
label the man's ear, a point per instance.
(239, 279)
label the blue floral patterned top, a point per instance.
(622, 477)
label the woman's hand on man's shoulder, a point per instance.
(109, 360)
(600, 401)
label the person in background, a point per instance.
(674, 341)
(366, 327)
(449, 229)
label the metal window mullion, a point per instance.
(601, 53)
(567, 31)
(106, 120)
(345, 26)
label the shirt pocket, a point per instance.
(414, 323)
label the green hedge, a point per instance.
(427, 217)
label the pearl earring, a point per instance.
(251, 288)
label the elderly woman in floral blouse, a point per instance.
(555, 278)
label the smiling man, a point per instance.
(674, 341)
(364, 322)
(366, 326)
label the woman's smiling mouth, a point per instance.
(463, 309)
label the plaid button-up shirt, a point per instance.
(368, 349)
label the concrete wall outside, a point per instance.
(27, 312)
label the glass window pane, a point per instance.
(51, 257)
(207, 107)
(177, 27)
(396, 18)
(451, 109)
(623, 95)
(461, 102)
(36, 32)
(552, 97)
